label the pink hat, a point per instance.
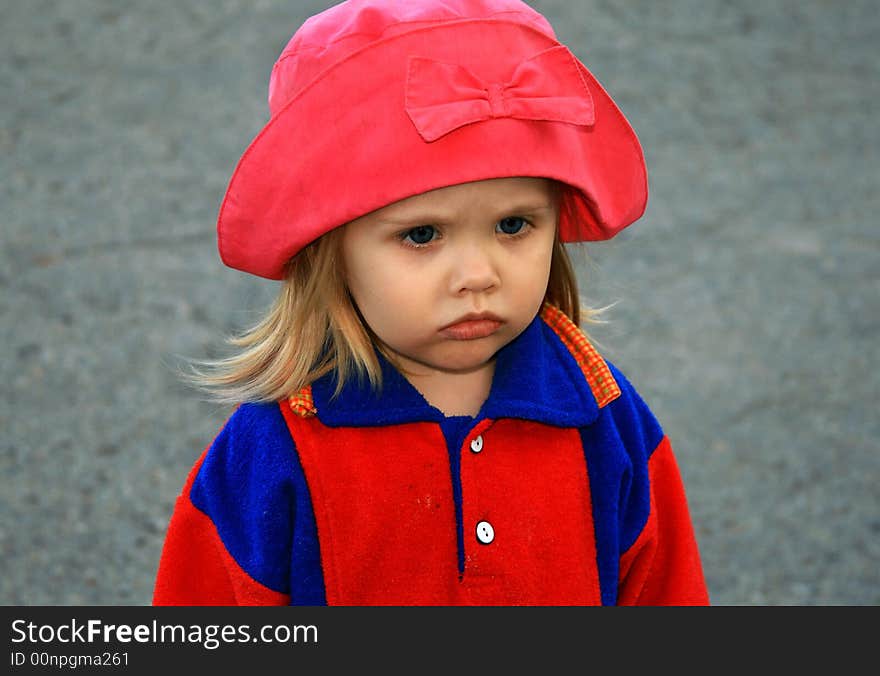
(373, 101)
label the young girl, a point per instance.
(421, 420)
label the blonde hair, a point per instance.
(314, 327)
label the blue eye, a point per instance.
(511, 225)
(420, 235)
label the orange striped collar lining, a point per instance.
(302, 403)
(602, 383)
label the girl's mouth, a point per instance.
(471, 329)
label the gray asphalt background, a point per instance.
(748, 297)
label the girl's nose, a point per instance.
(473, 271)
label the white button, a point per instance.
(477, 444)
(485, 532)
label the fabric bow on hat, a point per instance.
(441, 97)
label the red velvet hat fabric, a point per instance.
(373, 101)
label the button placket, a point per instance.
(484, 530)
(475, 470)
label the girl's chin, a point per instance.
(459, 364)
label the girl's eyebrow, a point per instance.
(521, 209)
(530, 208)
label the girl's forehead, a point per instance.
(513, 192)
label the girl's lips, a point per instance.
(471, 329)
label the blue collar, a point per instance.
(536, 378)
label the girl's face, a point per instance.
(448, 277)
